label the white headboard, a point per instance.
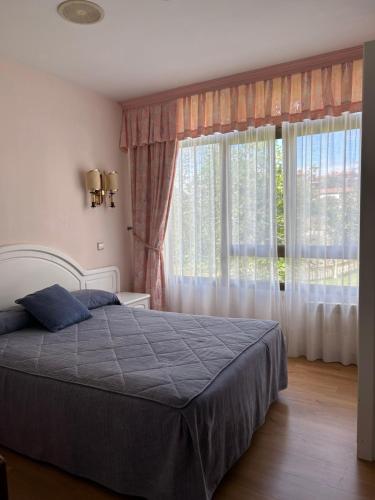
(27, 268)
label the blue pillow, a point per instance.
(55, 308)
(96, 298)
(14, 319)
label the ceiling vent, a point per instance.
(80, 11)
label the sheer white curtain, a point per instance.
(322, 189)
(221, 248)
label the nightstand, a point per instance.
(141, 300)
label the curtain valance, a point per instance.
(149, 125)
(315, 93)
(311, 94)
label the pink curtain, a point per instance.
(316, 93)
(148, 125)
(150, 133)
(152, 145)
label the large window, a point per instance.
(229, 203)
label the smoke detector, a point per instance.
(80, 11)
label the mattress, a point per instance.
(152, 404)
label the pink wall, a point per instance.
(51, 132)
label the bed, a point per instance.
(151, 404)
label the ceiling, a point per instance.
(146, 46)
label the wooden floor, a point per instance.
(305, 451)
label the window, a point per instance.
(197, 198)
(222, 218)
(227, 219)
(323, 200)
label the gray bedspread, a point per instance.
(152, 404)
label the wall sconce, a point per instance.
(101, 184)
(111, 185)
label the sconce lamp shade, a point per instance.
(112, 181)
(93, 180)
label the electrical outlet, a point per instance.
(100, 245)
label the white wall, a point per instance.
(366, 361)
(51, 132)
